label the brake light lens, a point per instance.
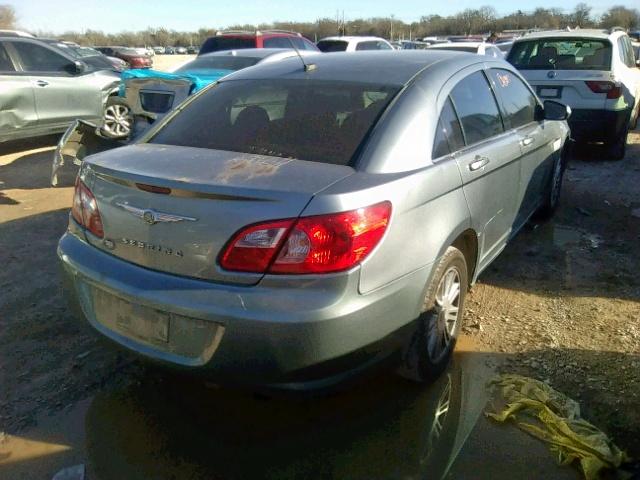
(318, 244)
(85, 209)
(253, 248)
(612, 90)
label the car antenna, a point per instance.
(308, 67)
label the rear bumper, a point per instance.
(298, 334)
(597, 125)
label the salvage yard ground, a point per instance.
(562, 303)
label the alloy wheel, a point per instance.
(117, 120)
(446, 313)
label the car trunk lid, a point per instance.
(173, 209)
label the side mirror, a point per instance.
(556, 111)
(76, 68)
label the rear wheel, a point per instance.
(618, 147)
(439, 323)
(554, 187)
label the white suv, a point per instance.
(592, 71)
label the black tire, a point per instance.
(117, 119)
(618, 147)
(554, 187)
(431, 346)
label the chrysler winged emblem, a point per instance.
(152, 216)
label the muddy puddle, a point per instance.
(170, 427)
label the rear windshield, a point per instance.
(332, 45)
(218, 63)
(320, 121)
(561, 54)
(217, 44)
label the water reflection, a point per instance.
(383, 428)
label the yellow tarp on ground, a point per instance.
(555, 419)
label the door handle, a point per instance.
(526, 141)
(478, 163)
(41, 83)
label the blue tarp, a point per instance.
(199, 78)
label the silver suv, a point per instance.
(592, 71)
(44, 88)
(295, 223)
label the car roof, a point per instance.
(252, 52)
(582, 32)
(351, 38)
(399, 67)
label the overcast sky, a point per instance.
(117, 15)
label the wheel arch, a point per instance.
(467, 243)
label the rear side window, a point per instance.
(36, 58)
(449, 134)
(301, 44)
(626, 52)
(476, 106)
(215, 44)
(332, 45)
(276, 42)
(518, 103)
(6, 65)
(561, 54)
(372, 45)
(320, 121)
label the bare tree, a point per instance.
(620, 16)
(7, 17)
(582, 15)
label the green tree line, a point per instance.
(467, 22)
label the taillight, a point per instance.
(85, 209)
(318, 244)
(253, 248)
(612, 90)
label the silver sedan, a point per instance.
(299, 221)
(45, 88)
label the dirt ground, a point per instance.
(562, 303)
(166, 62)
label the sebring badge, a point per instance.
(152, 216)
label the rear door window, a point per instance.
(6, 65)
(561, 54)
(320, 121)
(372, 45)
(476, 107)
(448, 134)
(518, 103)
(36, 58)
(276, 42)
